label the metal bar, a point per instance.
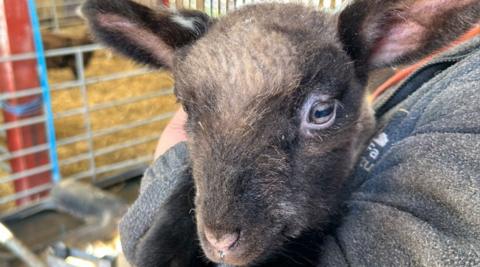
(105, 78)
(27, 173)
(52, 53)
(113, 148)
(72, 15)
(70, 112)
(83, 137)
(19, 94)
(116, 129)
(47, 103)
(133, 124)
(22, 123)
(27, 193)
(72, 140)
(86, 114)
(108, 150)
(53, 9)
(56, 20)
(80, 175)
(126, 101)
(124, 164)
(66, 23)
(70, 19)
(75, 159)
(112, 167)
(24, 152)
(74, 84)
(111, 104)
(63, 4)
(211, 8)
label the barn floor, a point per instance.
(60, 224)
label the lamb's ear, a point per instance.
(148, 36)
(383, 32)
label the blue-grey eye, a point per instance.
(322, 113)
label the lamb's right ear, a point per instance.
(148, 36)
(376, 33)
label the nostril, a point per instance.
(223, 242)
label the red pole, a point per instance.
(16, 38)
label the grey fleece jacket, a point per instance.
(415, 194)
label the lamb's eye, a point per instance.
(322, 113)
(319, 112)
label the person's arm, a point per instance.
(417, 201)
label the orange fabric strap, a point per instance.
(404, 73)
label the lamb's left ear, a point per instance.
(148, 36)
(376, 33)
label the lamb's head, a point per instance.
(277, 110)
(276, 116)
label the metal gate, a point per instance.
(220, 7)
(56, 14)
(104, 118)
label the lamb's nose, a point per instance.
(224, 242)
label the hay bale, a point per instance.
(105, 92)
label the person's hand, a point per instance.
(173, 133)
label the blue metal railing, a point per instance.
(47, 103)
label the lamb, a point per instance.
(53, 40)
(277, 115)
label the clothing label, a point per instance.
(374, 149)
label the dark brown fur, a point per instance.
(52, 40)
(260, 171)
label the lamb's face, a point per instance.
(275, 121)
